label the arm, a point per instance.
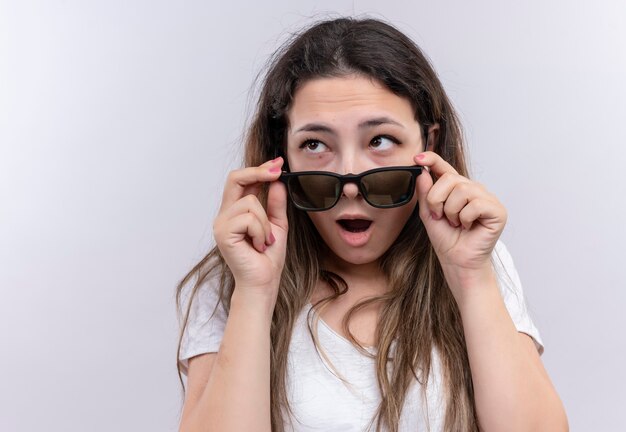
(252, 242)
(237, 394)
(512, 389)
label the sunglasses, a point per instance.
(384, 187)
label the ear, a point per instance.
(433, 137)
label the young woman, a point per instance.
(343, 302)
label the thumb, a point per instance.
(423, 186)
(277, 204)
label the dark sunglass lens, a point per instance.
(387, 188)
(314, 191)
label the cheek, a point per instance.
(320, 221)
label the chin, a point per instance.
(356, 256)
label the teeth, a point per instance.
(355, 225)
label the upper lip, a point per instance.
(353, 216)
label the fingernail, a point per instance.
(264, 248)
(420, 156)
(275, 169)
(434, 215)
(271, 161)
(272, 238)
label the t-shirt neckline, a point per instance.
(332, 332)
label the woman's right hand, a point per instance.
(251, 240)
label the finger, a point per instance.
(462, 194)
(251, 204)
(277, 204)
(248, 224)
(481, 210)
(423, 185)
(437, 165)
(239, 180)
(441, 190)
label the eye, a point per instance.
(313, 146)
(383, 142)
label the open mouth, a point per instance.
(354, 225)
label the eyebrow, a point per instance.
(320, 127)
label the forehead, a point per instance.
(336, 98)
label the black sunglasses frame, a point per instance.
(353, 178)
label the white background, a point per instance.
(120, 119)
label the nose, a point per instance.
(350, 190)
(351, 163)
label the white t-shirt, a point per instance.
(319, 399)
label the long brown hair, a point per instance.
(418, 310)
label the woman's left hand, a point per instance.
(463, 220)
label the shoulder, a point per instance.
(506, 272)
(203, 329)
(512, 292)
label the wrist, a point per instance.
(470, 282)
(255, 299)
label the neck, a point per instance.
(364, 280)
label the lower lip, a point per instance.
(355, 239)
